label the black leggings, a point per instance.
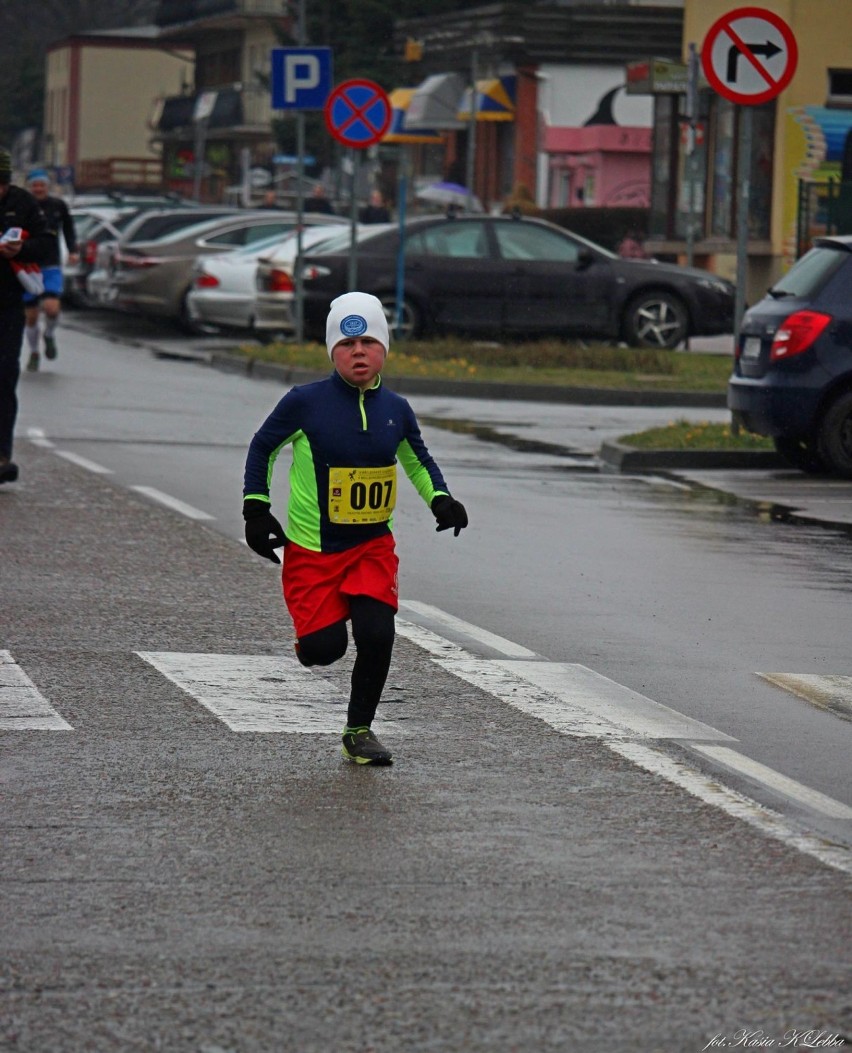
(373, 633)
(11, 333)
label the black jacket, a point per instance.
(58, 219)
(18, 208)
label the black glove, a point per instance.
(449, 513)
(263, 531)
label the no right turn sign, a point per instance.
(749, 55)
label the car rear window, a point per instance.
(809, 274)
(340, 240)
(152, 227)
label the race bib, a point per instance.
(361, 495)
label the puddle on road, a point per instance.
(688, 498)
(487, 433)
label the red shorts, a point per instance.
(317, 584)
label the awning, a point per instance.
(178, 110)
(495, 100)
(400, 99)
(435, 103)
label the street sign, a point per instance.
(749, 55)
(301, 78)
(204, 105)
(358, 113)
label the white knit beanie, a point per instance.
(356, 314)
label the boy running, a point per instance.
(347, 432)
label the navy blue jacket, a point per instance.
(333, 425)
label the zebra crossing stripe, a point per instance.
(22, 706)
(260, 693)
(832, 693)
(575, 700)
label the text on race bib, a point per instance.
(361, 495)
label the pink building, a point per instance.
(598, 165)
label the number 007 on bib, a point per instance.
(361, 495)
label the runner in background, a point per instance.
(58, 220)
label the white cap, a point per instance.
(356, 314)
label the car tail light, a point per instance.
(126, 259)
(311, 272)
(797, 333)
(206, 281)
(90, 251)
(280, 281)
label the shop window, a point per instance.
(839, 88)
(722, 169)
(726, 126)
(760, 187)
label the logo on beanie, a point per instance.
(353, 325)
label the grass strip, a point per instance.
(696, 435)
(560, 363)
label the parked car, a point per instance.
(223, 286)
(93, 227)
(502, 275)
(154, 277)
(792, 375)
(143, 226)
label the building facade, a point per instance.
(232, 41)
(558, 138)
(797, 147)
(96, 119)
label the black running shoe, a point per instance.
(8, 470)
(361, 746)
(49, 347)
(32, 362)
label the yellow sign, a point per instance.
(361, 495)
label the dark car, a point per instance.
(500, 276)
(792, 374)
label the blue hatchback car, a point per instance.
(792, 374)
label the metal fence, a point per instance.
(824, 208)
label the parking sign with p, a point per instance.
(301, 78)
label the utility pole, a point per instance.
(300, 195)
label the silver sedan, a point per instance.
(224, 293)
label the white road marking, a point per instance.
(38, 438)
(22, 706)
(172, 502)
(815, 800)
(84, 462)
(578, 701)
(483, 636)
(255, 692)
(429, 641)
(711, 791)
(832, 693)
(600, 707)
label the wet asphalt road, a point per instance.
(172, 885)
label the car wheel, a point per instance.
(835, 436)
(800, 453)
(412, 318)
(655, 319)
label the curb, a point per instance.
(622, 458)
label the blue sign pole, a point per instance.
(301, 80)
